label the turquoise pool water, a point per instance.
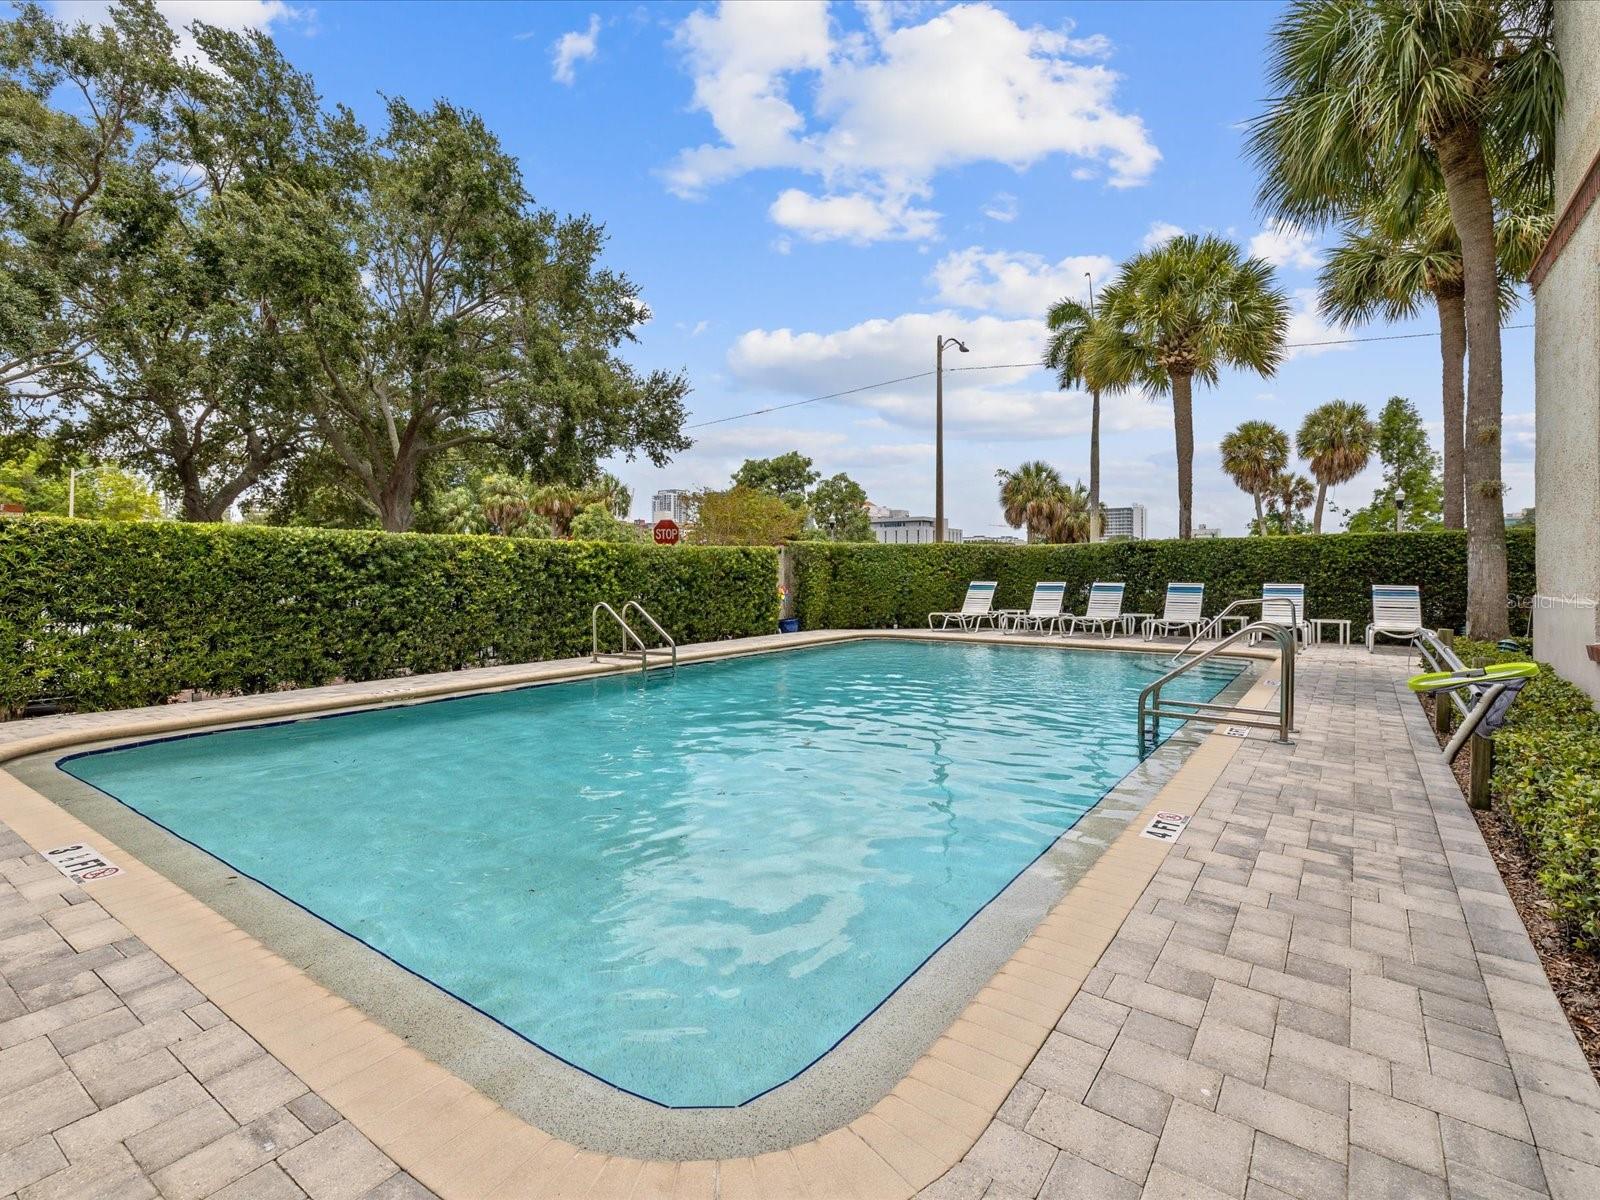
(691, 887)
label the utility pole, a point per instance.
(940, 342)
(1094, 439)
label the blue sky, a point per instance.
(808, 193)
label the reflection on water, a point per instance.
(690, 886)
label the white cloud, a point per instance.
(1284, 244)
(572, 48)
(883, 15)
(741, 56)
(894, 107)
(1013, 404)
(853, 217)
(1307, 327)
(1014, 283)
(1002, 206)
(224, 14)
(1159, 233)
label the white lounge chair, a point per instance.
(1396, 613)
(1181, 612)
(977, 608)
(1103, 614)
(1285, 604)
(1042, 610)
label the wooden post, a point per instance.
(1482, 769)
(1444, 709)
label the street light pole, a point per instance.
(940, 342)
(1094, 439)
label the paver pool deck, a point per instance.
(1321, 989)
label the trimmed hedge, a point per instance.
(1547, 776)
(119, 614)
(864, 585)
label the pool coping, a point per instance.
(471, 1146)
(560, 1095)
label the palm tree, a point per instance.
(1388, 261)
(1336, 439)
(1375, 95)
(1031, 497)
(505, 503)
(1288, 496)
(558, 503)
(610, 491)
(1069, 519)
(1252, 455)
(1183, 311)
(1073, 329)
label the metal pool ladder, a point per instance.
(629, 634)
(1152, 707)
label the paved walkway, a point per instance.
(118, 1079)
(1325, 991)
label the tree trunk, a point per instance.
(191, 499)
(394, 500)
(1261, 516)
(1316, 519)
(1453, 351)
(1094, 464)
(1183, 428)
(1472, 213)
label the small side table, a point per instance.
(1240, 621)
(1132, 621)
(1343, 626)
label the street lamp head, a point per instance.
(958, 344)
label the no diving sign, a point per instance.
(81, 863)
(1165, 826)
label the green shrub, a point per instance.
(851, 585)
(1547, 776)
(120, 614)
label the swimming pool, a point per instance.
(690, 886)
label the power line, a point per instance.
(867, 387)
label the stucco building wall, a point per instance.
(1566, 617)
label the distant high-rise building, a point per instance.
(1126, 522)
(897, 525)
(671, 503)
(1205, 531)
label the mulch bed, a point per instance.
(1573, 973)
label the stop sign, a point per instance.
(666, 532)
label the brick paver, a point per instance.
(118, 1079)
(1324, 992)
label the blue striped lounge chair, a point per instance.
(1042, 611)
(1103, 613)
(977, 608)
(1285, 604)
(1396, 613)
(1181, 612)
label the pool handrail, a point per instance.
(654, 624)
(1214, 624)
(627, 634)
(1152, 708)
